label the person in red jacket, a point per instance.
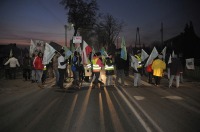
(37, 63)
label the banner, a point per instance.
(170, 59)
(144, 55)
(67, 52)
(190, 63)
(86, 51)
(134, 63)
(123, 49)
(164, 52)
(103, 52)
(32, 47)
(49, 52)
(152, 56)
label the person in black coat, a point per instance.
(119, 63)
(109, 67)
(175, 70)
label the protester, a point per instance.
(38, 66)
(109, 67)
(55, 68)
(139, 72)
(76, 60)
(175, 70)
(158, 67)
(119, 63)
(150, 73)
(81, 70)
(13, 63)
(97, 65)
(62, 64)
(27, 67)
(6, 68)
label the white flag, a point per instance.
(173, 54)
(164, 52)
(170, 59)
(152, 56)
(144, 55)
(32, 47)
(190, 63)
(134, 62)
(123, 49)
(11, 53)
(49, 52)
(68, 53)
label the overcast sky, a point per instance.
(22, 20)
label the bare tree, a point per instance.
(107, 31)
(81, 13)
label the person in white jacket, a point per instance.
(13, 65)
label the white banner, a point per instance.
(49, 52)
(190, 63)
(134, 63)
(153, 55)
(144, 55)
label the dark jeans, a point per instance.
(61, 77)
(13, 72)
(97, 75)
(27, 73)
(157, 80)
(44, 76)
(7, 73)
(150, 76)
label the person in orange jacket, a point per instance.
(150, 73)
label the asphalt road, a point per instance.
(26, 108)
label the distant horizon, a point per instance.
(24, 20)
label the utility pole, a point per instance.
(65, 35)
(161, 30)
(137, 41)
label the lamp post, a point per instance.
(67, 26)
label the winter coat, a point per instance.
(175, 66)
(13, 62)
(27, 63)
(119, 62)
(158, 66)
(37, 63)
(149, 68)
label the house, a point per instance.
(186, 44)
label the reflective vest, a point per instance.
(88, 66)
(109, 67)
(96, 67)
(139, 61)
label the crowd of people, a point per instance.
(112, 64)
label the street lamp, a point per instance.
(65, 44)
